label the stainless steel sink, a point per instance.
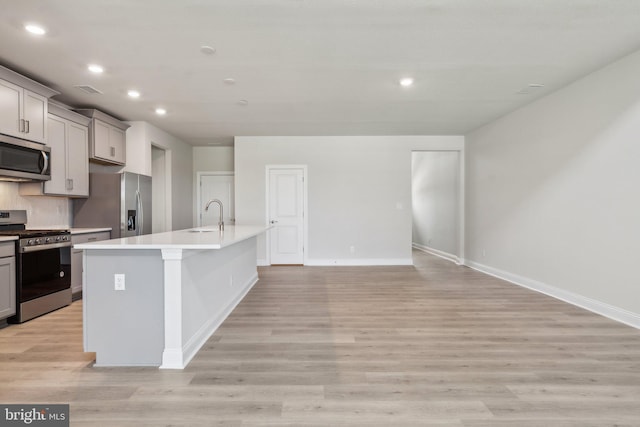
(202, 230)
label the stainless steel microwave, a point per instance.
(22, 160)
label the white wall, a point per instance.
(435, 201)
(210, 159)
(42, 211)
(140, 137)
(359, 192)
(159, 190)
(138, 149)
(553, 193)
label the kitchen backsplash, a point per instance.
(42, 211)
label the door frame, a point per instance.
(305, 208)
(199, 176)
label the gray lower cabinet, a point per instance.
(7, 280)
(76, 256)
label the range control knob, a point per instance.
(38, 241)
(47, 240)
(58, 238)
(31, 242)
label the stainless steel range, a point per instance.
(43, 267)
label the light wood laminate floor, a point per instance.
(431, 345)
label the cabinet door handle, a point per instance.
(92, 239)
(69, 184)
(113, 151)
(21, 125)
(27, 127)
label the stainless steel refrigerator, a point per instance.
(121, 201)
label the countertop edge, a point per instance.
(165, 240)
(75, 231)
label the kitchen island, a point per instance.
(154, 300)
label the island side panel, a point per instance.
(124, 328)
(214, 282)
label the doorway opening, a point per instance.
(437, 203)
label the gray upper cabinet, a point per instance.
(107, 138)
(68, 137)
(23, 106)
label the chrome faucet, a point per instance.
(206, 208)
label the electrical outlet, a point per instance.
(118, 282)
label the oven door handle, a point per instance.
(27, 249)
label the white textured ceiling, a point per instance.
(314, 67)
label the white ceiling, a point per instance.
(314, 67)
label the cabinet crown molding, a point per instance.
(97, 114)
(26, 83)
(65, 113)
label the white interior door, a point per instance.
(286, 215)
(216, 186)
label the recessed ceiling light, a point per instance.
(207, 50)
(229, 81)
(243, 102)
(133, 94)
(35, 29)
(406, 82)
(95, 68)
(161, 111)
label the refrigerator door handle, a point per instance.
(141, 213)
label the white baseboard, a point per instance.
(437, 252)
(612, 312)
(358, 262)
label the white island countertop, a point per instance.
(192, 238)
